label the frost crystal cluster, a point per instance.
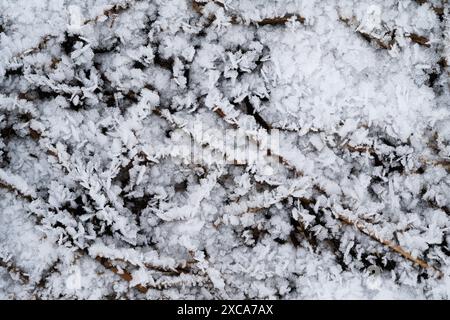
(114, 117)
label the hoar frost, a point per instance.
(136, 159)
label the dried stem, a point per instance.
(112, 11)
(13, 269)
(270, 152)
(13, 189)
(394, 247)
(236, 19)
(387, 45)
(123, 274)
(126, 275)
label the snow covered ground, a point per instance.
(169, 149)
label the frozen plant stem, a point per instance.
(360, 226)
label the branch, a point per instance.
(237, 19)
(387, 45)
(263, 123)
(160, 284)
(369, 38)
(14, 183)
(280, 20)
(394, 247)
(113, 10)
(123, 274)
(13, 269)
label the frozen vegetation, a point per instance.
(106, 106)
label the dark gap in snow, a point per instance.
(123, 177)
(69, 42)
(250, 110)
(15, 71)
(299, 228)
(138, 204)
(180, 187)
(436, 74)
(109, 47)
(41, 93)
(138, 65)
(162, 62)
(75, 207)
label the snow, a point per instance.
(207, 149)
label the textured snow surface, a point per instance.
(105, 107)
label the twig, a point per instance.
(368, 37)
(280, 20)
(445, 163)
(11, 188)
(8, 185)
(13, 269)
(270, 152)
(126, 276)
(421, 40)
(123, 274)
(394, 247)
(237, 19)
(114, 10)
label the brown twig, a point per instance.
(394, 247)
(421, 40)
(13, 269)
(127, 276)
(280, 20)
(368, 37)
(237, 19)
(123, 274)
(270, 152)
(113, 11)
(387, 45)
(13, 189)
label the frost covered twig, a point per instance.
(164, 282)
(394, 247)
(15, 271)
(112, 10)
(123, 274)
(254, 139)
(17, 184)
(236, 19)
(389, 41)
